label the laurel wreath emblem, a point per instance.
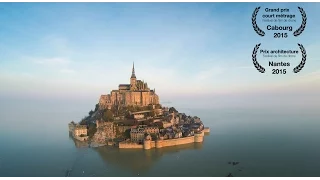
(254, 59)
(254, 23)
(303, 23)
(303, 60)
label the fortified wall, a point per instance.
(130, 145)
(81, 138)
(78, 131)
(148, 144)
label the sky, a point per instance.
(195, 55)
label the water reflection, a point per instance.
(78, 144)
(139, 160)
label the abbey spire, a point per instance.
(133, 75)
(133, 80)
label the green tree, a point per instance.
(113, 109)
(128, 108)
(158, 106)
(90, 113)
(127, 115)
(156, 113)
(118, 110)
(131, 108)
(92, 130)
(161, 126)
(143, 108)
(172, 109)
(122, 111)
(154, 137)
(152, 113)
(97, 107)
(107, 115)
(149, 107)
(83, 122)
(127, 134)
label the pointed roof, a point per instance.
(133, 75)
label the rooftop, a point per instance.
(124, 84)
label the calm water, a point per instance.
(274, 143)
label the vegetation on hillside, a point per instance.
(153, 136)
(108, 116)
(83, 121)
(172, 109)
(91, 113)
(92, 130)
(158, 106)
(90, 119)
(138, 108)
(152, 114)
(96, 108)
(118, 110)
(127, 134)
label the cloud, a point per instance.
(218, 70)
(68, 71)
(315, 75)
(23, 84)
(48, 65)
(57, 44)
(244, 67)
(206, 74)
(52, 61)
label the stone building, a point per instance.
(197, 120)
(78, 131)
(140, 114)
(137, 134)
(136, 93)
(151, 130)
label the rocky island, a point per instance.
(132, 117)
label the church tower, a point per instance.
(133, 80)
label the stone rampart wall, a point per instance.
(126, 145)
(163, 143)
(81, 138)
(179, 141)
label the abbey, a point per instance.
(132, 117)
(136, 93)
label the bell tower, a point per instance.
(133, 80)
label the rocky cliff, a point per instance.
(99, 136)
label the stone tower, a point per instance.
(133, 80)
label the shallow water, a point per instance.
(266, 143)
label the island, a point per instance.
(132, 117)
